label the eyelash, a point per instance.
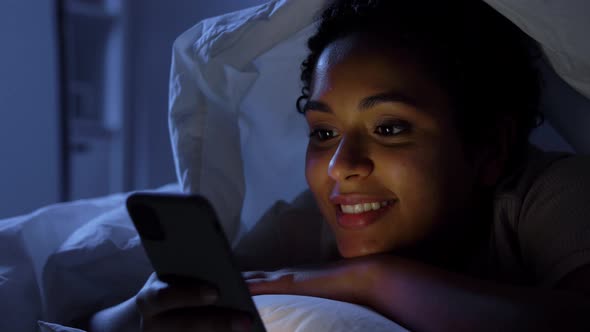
(405, 127)
(314, 134)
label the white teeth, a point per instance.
(358, 208)
(365, 207)
(347, 208)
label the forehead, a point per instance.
(353, 67)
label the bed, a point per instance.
(64, 261)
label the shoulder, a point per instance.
(542, 212)
(571, 169)
(554, 224)
(536, 174)
(538, 166)
(550, 185)
(564, 183)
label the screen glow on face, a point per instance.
(380, 130)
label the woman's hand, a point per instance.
(184, 304)
(349, 280)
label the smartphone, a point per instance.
(181, 236)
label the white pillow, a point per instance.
(291, 313)
(236, 135)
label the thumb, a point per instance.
(269, 286)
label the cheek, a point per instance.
(316, 169)
(417, 178)
(407, 171)
(320, 184)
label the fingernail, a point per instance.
(241, 324)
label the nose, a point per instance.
(350, 161)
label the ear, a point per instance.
(494, 159)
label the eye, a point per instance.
(393, 128)
(322, 134)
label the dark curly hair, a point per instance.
(482, 60)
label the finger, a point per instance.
(199, 319)
(266, 286)
(254, 274)
(161, 297)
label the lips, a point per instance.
(360, 220)
(364, 217)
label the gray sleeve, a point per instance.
(554, 225)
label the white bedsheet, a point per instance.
(66, 261)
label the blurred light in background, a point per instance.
(84, 93)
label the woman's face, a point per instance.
(384, 160)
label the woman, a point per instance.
(447, 219)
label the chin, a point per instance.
(352, 250)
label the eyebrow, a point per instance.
(366, 103)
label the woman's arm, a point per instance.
(424, 298)
(429, 299)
